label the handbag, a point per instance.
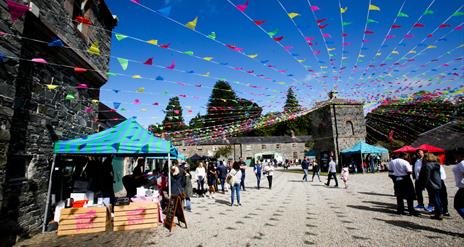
(230, 179)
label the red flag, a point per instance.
(278, 39)
(419, 25)
(83, 20)
(149, 61)
(395, 26)
(165, 46)
(444, 25)
(79, 70)
(257, 22)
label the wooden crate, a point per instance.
(135, 216)
(83, 220)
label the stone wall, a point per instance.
(247, 150)
(29, 110)
(345, 120)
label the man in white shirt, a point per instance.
(404, 189)
(458, 171)
(332, 172)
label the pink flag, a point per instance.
(243, 7)
(317, 52)
(368, 32)
(395, 26)
(346, 43)
(308, 38)
(444, 25)
(38, 60)
(288, 47)
(458, 28)
(344, 34)
(136, 1)
(172, 66)
(136, 102)
(409, 36)
(390, 36)
(326, 35)
(17, 10)
(323, 26)
(315, 8)
(321, 20)
(429, 35)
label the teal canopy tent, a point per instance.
(364, 148)
(128, 138)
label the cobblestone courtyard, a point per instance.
(293, 213)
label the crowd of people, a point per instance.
(429, 175)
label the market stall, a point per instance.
(440, 152)
(361, 148)
(127, 139)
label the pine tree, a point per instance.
(173, 120)
(225, 107)
(291, 104)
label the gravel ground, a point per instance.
(293, 213)
(296, 213)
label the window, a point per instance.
(248, 147)
(295, 155)
(277, 146)
(184, 149)
(350, 127)
(293, 145)
(18, 168)
(263, 146)
(79, 8)
(199, 148)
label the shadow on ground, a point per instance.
(416, 227)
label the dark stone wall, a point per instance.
(28, 110)
(343, 120)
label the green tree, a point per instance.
(291, 104)
(225, 107)
(173, 120)
(197, 122)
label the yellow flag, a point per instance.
(373, 7)
(140, 90)
(208, 58)
(136, 76)
(51, 86)
(431, 46)
(378, 54)
(331, 49)
(252, 55)
(93, 49)
(153, 42)
(301, 60)
(293, 15)
(343, 10)
(395, 52)
(412, 52)
(206, 74)
(192, 24)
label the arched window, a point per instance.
(349, 126)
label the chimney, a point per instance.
(332, 94)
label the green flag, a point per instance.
(428, 12)
(457, 13)
(188, 53)
(273, 33)
(402, 14)
(372, 21)
(345, 23)
(123, 62)
(119, 36)
(212, 35)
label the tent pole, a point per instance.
(169, 172)
(48, 194)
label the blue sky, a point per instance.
(310, 80)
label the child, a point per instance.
(345, 173)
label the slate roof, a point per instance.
(448, 136)
(257, 140)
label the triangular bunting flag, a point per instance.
(17, 10)
(293, 15)
(123, 62)
(192, 24)
(165, 11)
(119, 36)
(94, 50)
(373, 7)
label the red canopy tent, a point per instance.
(405, 149)
(440, 152)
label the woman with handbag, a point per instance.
(233, 179)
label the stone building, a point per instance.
(336, 125)
(32, 114)
(281, 147)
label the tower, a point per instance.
(336, 125)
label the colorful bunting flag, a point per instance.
(293, 15)
(343, 10)
(278, 39)
(315, 8)
(372, 21)
(39, 60)
(457, 13)
(153, 42)
(208, 58)
(259, 23)
(402, 14)
(119, 36)
(51, 86)
(123, 62)
(428, 12)
(172, 66)
(373, 7)
(149, 61)
(56, 42)
(192, 24)
(273, 33)
(83, 20)
(212, 35)
(137, 76)
(79, 70)
(419, 25)
(189, 53)
(243, 7)
(165, 11)
(17, 10)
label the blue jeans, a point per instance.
(242, 183)
(258, 180)
(305, 177)
(223, 181)
(235, 188)
(188, 204)
(459, 202)
(436, 201)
